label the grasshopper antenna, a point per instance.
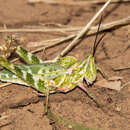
(95, 42)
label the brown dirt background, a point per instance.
(22, 105)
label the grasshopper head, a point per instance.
(90, 67)
(90, 70)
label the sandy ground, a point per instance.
(25, 108)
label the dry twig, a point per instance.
(121, 68)
(53, 42)
(4, 84)
(83, 31)
(125, 84)
(40, 30)
(66, 30)
(76, 3)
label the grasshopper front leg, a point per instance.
(102, 72)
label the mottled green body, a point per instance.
(63, 75)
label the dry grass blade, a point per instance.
(76, 3)
(115, 85)
(124, 85)
(83, 31)
(121, 68)
(50, 43)
(92, 30)
(112, 83)
(4, 84)
(53, 42)
(63, 30)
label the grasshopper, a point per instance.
(60, 76)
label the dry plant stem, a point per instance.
(83, 31)
(121, 68)
(125, 84)
(76, 3)
(55, 43)
(50, 43)
(63, 30)
(4, 84)
(92, 30)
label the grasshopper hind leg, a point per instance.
(28, 57)
(12, 44)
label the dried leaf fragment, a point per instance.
(111, 83)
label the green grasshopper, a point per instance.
(60, 76)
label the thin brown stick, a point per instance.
(4, 84)
(83, 31)
(121, 68)
(40, 30)
(125, 84)
(76, 3)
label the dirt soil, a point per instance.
(24, 108)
